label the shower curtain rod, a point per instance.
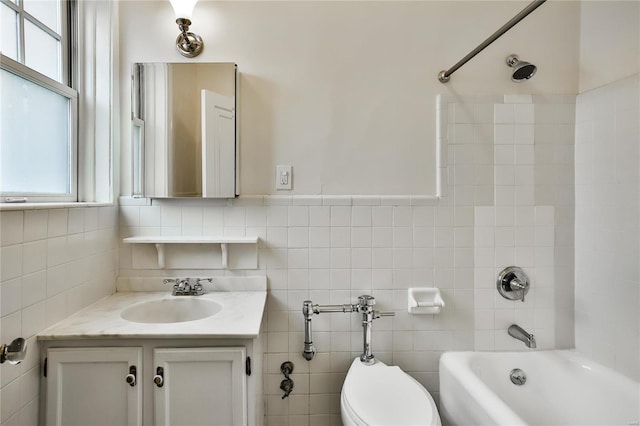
(444, 75)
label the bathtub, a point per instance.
(562, 388)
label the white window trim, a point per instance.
(96, 24)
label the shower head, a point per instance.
(521, 70)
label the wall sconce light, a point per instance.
(187, 43)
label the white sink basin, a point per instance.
(171, 310)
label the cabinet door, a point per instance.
(200, 386)
(88, 387)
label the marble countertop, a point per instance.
(240, 318)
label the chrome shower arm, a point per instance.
(445, 75)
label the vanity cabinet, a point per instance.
(146, 385)
(88, 386)
(199, 386)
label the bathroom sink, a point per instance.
(171, 310)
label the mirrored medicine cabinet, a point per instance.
(184, 132)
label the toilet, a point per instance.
(385, 395)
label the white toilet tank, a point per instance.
(385, 395)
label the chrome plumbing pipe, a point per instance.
(318, 309)
(364, 306)
(308, 309)
(309, 350)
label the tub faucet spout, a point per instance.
(519, 333)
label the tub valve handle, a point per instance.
(516, 285)
(513, 283)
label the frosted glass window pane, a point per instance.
(34, 138)
(9, 32)
(41, 51)
(46, 11)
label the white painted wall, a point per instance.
(345, 91)
(609, 42)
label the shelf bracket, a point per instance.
(160, 249)
(225, 254)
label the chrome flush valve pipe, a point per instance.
(365, 303)
(364, 306)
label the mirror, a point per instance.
(184, 133)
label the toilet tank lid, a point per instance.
(385, 395)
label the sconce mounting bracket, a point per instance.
(188, 44)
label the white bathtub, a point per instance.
(562, 388)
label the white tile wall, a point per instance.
(54, 262)
(496, 248)
(608, 225)
(525, 174)
(504, 160)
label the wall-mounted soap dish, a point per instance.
(425, 301)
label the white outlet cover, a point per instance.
(284, 176)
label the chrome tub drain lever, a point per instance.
(518, 377)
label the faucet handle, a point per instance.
(176, 284)
(198, 288)
(287, 386)
(516, 285)
(513, 283)
(378, 314)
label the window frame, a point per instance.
(66, 89)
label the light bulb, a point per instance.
(183, 8)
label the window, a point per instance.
(39, 107)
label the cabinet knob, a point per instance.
(158, 379)
(131, 377)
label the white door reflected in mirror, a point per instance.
(218, 145)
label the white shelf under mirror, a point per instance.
(249, 255)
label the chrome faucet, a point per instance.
(364, 306)
(519, 333)
(187, 286)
